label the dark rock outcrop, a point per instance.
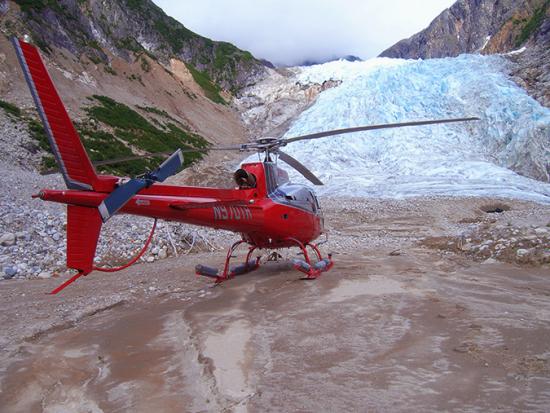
(470, 26)
(531, 70)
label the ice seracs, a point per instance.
(474, 158)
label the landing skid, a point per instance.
(311, 270)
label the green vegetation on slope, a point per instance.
(133, 131)
(130, 44)
(533, 23)
(225, 54)
(159, 112)
(211, 91)
(37, 132)
(103, 146)
(116, 114)
(114, 130)
(135, 4)
(10, 108)
(173, 33)
(37, 5)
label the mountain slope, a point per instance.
(126, 27)
(90, 49)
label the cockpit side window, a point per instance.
(316, 201)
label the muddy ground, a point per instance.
(399, 324)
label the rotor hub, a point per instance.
(267, 143)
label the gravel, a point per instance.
(520, 236)
(33, 237)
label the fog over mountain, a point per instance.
(289, 32)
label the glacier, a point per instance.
(459, 159)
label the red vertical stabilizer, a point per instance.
(83, 226)
(67, 148)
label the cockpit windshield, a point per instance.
(298, 195)
(282, 191)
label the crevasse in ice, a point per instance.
(471, 158)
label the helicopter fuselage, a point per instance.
(272, 214)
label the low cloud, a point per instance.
(290, 32)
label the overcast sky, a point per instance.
(291, 31)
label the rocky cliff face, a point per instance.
(269, 107)
(470, 26)
(129, 27)
(489, 26)
(532, 72)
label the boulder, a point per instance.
(7, 239)
(10, 272)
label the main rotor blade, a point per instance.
(242, 147)
(131, 158)
(373, 127)
(299, 167)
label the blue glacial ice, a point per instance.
(466, 159)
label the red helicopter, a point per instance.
(266, 209)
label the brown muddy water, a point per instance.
(414, 332)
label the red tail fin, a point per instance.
(70, 155)
(83, 226)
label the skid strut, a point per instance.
(311, 270)
(230, 272)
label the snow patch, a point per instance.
(87, 79)
(514, 52)
(487, 40)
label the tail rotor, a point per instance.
(120, 196)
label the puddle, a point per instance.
(71, 400)
(373, 286)
(228, 352)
